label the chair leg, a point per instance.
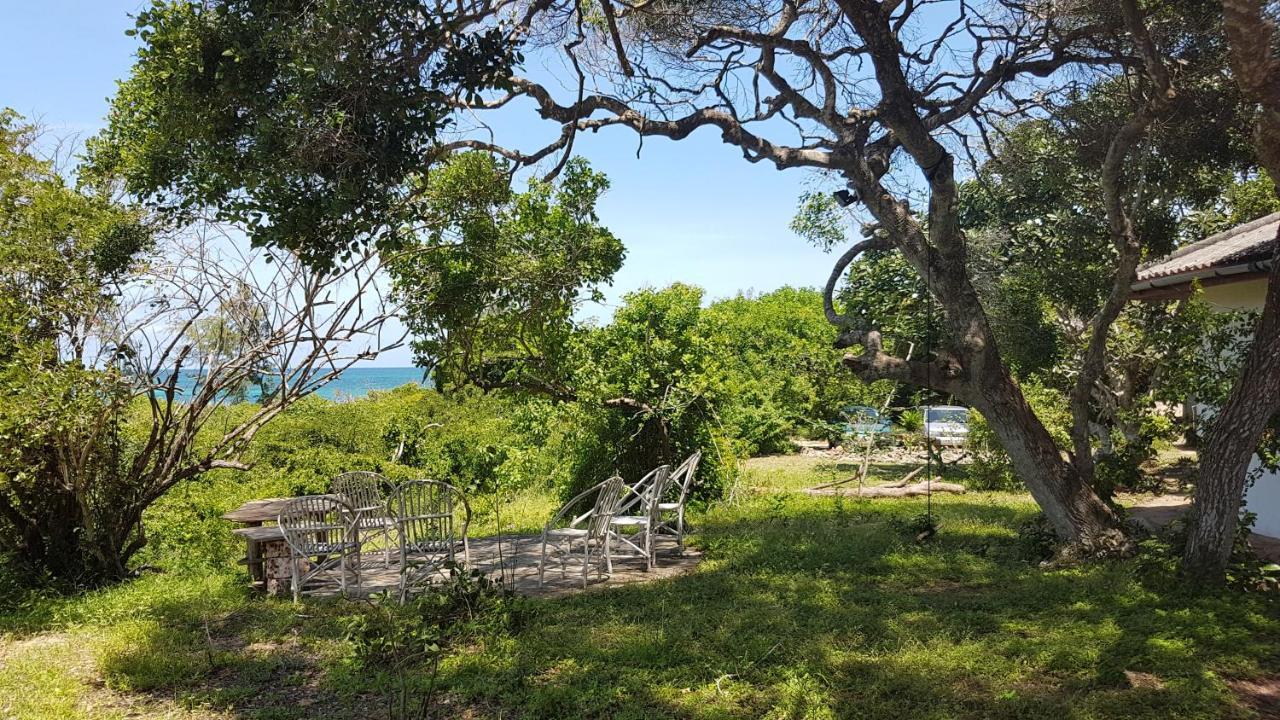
(295, 582)
(342, 573)
(359, 568)
(542, 562)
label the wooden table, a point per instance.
(256, 512)
(266, 553)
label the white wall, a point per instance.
(1234, 296)
(1264, 500)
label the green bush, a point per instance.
(762, 429)
(991, 469)
(1121, 469)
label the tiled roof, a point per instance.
(1240, 244)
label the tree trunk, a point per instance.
(1074, 510)
(1233, 438)
(1231, 442)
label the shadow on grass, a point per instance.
(804, 607)
(809, 613)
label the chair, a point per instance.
(560, 543)
(426, 524)
(362, 490)
(323, 528)
(682, 477)
(639, 532)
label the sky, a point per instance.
(693, 211)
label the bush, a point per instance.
(401, 641)
(1121, 469)
(1037, 539)
(761, 429)
(991, 469)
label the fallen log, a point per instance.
(896, 483)
(905, 479)
(877, 491)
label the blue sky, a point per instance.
(692, 211)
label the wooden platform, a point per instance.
(517, 557)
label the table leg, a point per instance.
(277, 568)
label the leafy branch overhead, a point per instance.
(309, 123)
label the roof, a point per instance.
(1250, 242)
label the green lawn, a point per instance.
(804, 608)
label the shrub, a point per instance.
(1037, 539)
(762, 429)
(1122, 467)
(991, 469)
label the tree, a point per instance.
(305, 123)
(651, 386)
(491, 284)
(781, 374)
(1237, 429)
(62, 254)
(1041, 245)
(861, 126)
(491, 287)
(99, 417)
(238, 324)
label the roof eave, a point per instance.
(1178, 285)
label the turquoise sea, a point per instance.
(355, 383)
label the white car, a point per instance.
(946, 425)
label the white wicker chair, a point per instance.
(426, 519)
(362, 490)
(563, 543)
(638, 533)
(682, 478)
(320, 528)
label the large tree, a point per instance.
(876, 94)
(103, 405)
(1232, 439)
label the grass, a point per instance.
(803, 608)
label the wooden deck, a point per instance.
(517, 556)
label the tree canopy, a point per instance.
(490, 286)
(309, 123)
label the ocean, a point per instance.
(355, 383)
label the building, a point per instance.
(1232, 269)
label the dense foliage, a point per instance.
(493, 287)
(306, 122)
(490, 284)
(63, 471)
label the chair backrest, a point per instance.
(362, 490)
(652, 495)
(606, 505)
(314, 524)
(606, 502)
(636, 494)
(425, 515)
(684, 475)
